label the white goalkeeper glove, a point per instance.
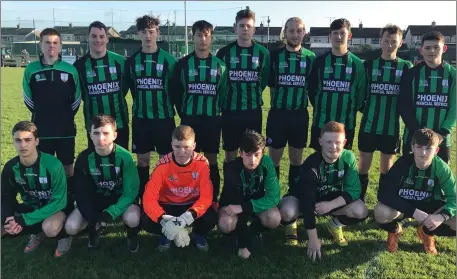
(171, 226)
(187, 216)
(182, 238)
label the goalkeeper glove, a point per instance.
(182, 238)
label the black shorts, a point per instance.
(286, 126)
(122, 138)
(444, 153)
(64, 148)
(316, 134)
(386, 144)
(207, 132)
(152, 135)
(234, 124)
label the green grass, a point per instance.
(365, 257)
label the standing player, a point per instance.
(427, 96)
(329, 185)
(421, 186)
(148, 72)
(251, 188)
(179, 193)
(39, 178)
(106, 186)
(52, 94)
(337, 85)
(199, 88)
(248, 65)
(102, 77)
(380, 126)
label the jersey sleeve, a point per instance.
(84, 187)
(306, 192)
(152, 190)
(265, 74)
(273, 75)
(27, 91)
(313, 81)
(9, 192)
(223, 87)
(351, 184)
(447, 183)
(129, 76)
(177, 87)
(272, 189)
(58, 200)
(361, 86)
(449, 121)
(131, 184)
(77, 98)
(405, 102)
(206, 193)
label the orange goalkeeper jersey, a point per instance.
(173, 184)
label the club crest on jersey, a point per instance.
(348, 70)
(445, 83)
(302, 64)
(112, 70)
(234, 59)
(159, 67)
(398, 73)
(90, 74)
(139, 67)
(43, 180)
(213, 72)
(39, 77)
(64, 77)
(194, 175)
(341, 173)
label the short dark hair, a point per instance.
(202, 25)
(50, 31)
(25, 126)
(246, 13)
(251, 141)
(425, 137)
(391, 29)
(332, 127)
(146, 22)
(183, 132)
(432, 36)
(101, 120)
(97, 24)
(337, 24)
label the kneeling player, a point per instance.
(106, 185)
(419, 185)
(180, 194)
(329, 184)
(250, 187)
(40, 180)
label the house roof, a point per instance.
(16, 31)
(446, 30)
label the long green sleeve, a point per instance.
(351, 179)
(447, 183)
(272, 189)
(265, 74)
(223, 87)
(449, 121)
(361, 86)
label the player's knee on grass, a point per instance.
(75, 222)
(131, 216)
(270, 218)
(226, 223)
(289, 209)
(54, 224)
(358, 210)
(384, 214)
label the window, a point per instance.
(375, 41)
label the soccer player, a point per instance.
(106, 186)
(337, 85)
(251, 189)
(148, 72)
(53, 95)
(288, 117)
(39, 178)
(329, 185)
(248, 64)
(199, 88)
(102, 76)
(380, 126)
(427, 98)
(421, 186)
(180, 192)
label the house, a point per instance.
(261, 33)
(10, 35)
(72, 33)
(413, 34)
(360, 36)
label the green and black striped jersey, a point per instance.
(42, 186)
(104, 87)
(380, 115)
(337, 89)
(289, 78)
(199, 86)
(428, 99)
(113, 177)
(148, 76)
(248, 71)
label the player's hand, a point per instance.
(188, 218)
(314, 249)
(433, 221)
(182, 238)
(172, 225)
(322, 208)
(11, 226)
(420, 216)
(233, 209)
(105, 218)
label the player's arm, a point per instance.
(58, 200)
(177, 88)
(449, 121)
(313, 81)
(223, 87)
(27, 91)
(447, 183)
(84, 188)
(351, 184)
(229, 194)
(361, 86)
(152, 190)
(129, 76)
(9, 192)
(131, 185)
(265, 72)
(312, 58)
(273, 75)
(272, 190)
(206, 194)
(77, 96)
(367, 70)
(405, 102)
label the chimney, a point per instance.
(433, 23)
(70, 25)
(360, 25)
(261, 24)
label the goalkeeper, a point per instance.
(179, 194)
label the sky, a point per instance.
(315, 14)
